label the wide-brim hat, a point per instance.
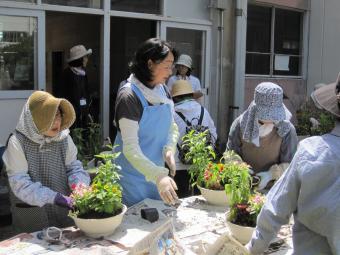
(184, 60)
(181, 87)
(77, 52)
(328, 98)
(43, 107)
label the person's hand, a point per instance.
(265, 178)
(170, 161)
(166, 188)
(63, 201)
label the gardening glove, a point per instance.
(166, 187)
(274, 173)
(63, 201)
(265, 178)
(171, 163)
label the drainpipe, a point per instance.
(240, 58)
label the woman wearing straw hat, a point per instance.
(309, 190)
(263, 135)
(147, 133)
(41, 164)
(187, 109)
(184, 68)
(74, 85)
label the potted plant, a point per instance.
(98, 209)
(245, 205)
(206, 172)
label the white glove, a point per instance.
(170, 160)
(265, 178)
(166, 188)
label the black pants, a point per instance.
(184, 187)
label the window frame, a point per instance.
(39, 54)
(272, 54)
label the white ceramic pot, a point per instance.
(241, 233)
(100, 227)
(214, 197)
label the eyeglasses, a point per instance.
(167, 66)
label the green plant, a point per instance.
(245, 205)
(199, 153)
(87, 140)
(217, 175)
(104, 197)
(305, 116)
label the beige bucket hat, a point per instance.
(77, 52)
(184, 60)
(181, 87)
(328, 97)
(43, 107)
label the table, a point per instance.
(195, 227)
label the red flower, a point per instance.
(207, 174)
(73, 186)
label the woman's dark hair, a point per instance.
(188, 72)
(76, 63)
(180, 98)
(152, 49)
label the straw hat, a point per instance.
(184, 60)
(77, 52)
(43, 107)
(328, 97)
(181, 87)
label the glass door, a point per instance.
(22, 62)
(193, 40)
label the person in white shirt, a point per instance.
(184, 68)
(188, 108)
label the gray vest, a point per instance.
(47, 166)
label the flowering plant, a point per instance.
(245, 205)
(205, 171)
(103, 198)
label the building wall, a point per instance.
(189, 9)
(10, 110)
(324, 38)
(294, 89)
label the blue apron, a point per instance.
(153, 134)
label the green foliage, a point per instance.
(308, 111)
(245, 205)
(199, 153)
(104, 196)
(88, 141)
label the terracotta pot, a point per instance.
(241, 233)
(214, 197)
(100, 227)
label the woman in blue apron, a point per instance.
(147, 134)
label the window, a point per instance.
(274, 41)
(142, 6)
(76, 3)
(18, 39)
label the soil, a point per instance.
(96, 215)
(243, 217)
